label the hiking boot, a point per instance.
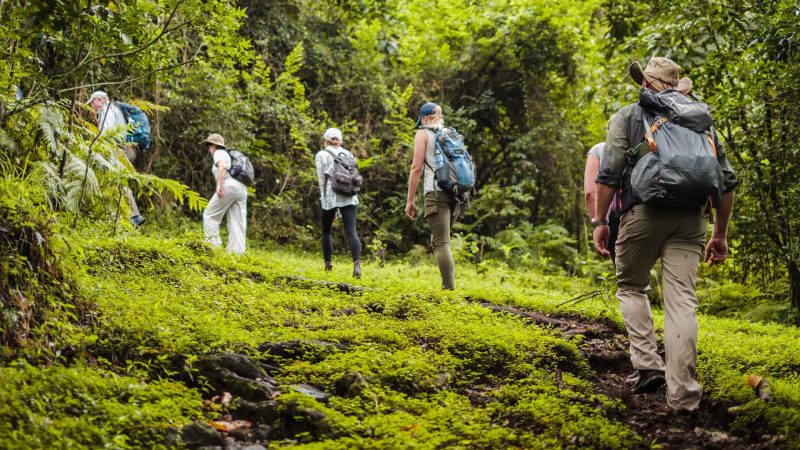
(632, 378)
(686, 418)
(357, 268)
(649, 381)
(137, 220)
(328, 266)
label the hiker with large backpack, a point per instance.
(232, 172)
(448, 173)
(339, 185)
(668, 162)
(134, 128)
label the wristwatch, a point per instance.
(597, 223)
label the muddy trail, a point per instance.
(605, 347)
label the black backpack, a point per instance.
(680, 168)
(241, 168)
(345, 179)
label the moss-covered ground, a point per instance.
(402, 364)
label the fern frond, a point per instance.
(73, 180)
(46, 175)
(50, 120)
(7, 143)
(148, 107)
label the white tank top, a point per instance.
(428, 183)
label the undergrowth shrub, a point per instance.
(40, 308)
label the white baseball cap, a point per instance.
(332, 133)
(96, 94)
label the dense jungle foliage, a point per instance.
(531, 85)
(106, 330)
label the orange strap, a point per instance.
(657, 124)
(653, 128)
(711, 141)
(651, 142)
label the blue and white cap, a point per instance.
(426, 110)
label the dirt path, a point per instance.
(648, 414)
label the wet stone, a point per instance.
(197, 434)
(350, 383)
(261, 433)
(265, 412)
(238, 375)
(310, 391)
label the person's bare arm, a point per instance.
(600, 235)
(717, 247)
(420, 143)
(221, 169)
(589, 186)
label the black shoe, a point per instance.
(328, 266)
(357, 268)
(686, 418)
(137, 220)
(649, 381)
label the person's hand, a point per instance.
(410, 210)
(600, 238)
(220, 194)
(716, 250)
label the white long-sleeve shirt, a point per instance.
(110, 117)
(328, 198)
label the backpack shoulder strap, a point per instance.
(122, 106)
(335, 156)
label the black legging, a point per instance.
(349, 219)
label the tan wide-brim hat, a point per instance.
(214, 138)
(663, 69)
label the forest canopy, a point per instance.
(530, 84)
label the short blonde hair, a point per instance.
(435, 118)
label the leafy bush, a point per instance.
(548, 248)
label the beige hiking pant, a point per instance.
(676, 236)
(233, 206)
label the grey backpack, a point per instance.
(681, 168)
(345, 179)
(241, 168)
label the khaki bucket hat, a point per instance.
(664, 70)
(214, 138)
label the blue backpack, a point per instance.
(454, 169)
(141, 125)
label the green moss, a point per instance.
(81, 407)
(403, 363)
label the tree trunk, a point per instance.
(794, 288)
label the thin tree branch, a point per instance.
(130, 80)
(165, 30)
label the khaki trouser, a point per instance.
(676, 236)
(232, 205)
(130, 152)
(440, 210)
